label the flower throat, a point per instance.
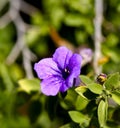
(65, 73)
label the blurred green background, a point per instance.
(31, 30)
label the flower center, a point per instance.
(65, 73)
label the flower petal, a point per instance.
(46, 68)
(62, 56)
(75, 64)
(51, 86)
(74, 69)
(70, 80)
(86, 53)
(77, 81)
(64, 87)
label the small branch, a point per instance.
(4, 20)
(98, 35)
(20, 45)
(15, 51)
(27, 8)
(27, 63)
(20, 28)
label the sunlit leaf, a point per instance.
(74, 20)
(81, 103)
(86, 80)
(37, 18)
(80, 5)
(113, 81)
(57, 15)
(16, 72)
(29, 85)
(95, 88)
(32, 35)
(78, 117)
(80, 90)
(102, 113)
(116, 96)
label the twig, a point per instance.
(27, 8)
(98, 35)
(4, 20)
(27, 63)
(21, 28)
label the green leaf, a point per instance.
(81, 103)
(80, 90)
(6, 78)
(78, 117)
(32, 35)
(29, 85)
(6, 36)
(68, 102)
(70, 125)
(80, 36)
(57, 15)
(15, 71)
(113, 81)
(95, 88)
(112, 54)
(112, 40)
(86, 80)
(116, 96)
(102, 113)
(37, 19)
(82, 6)
(75, 20)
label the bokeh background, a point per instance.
(32, 30)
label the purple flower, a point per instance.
(87, 55)
(60, 72)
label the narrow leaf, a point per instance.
(102, 113)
